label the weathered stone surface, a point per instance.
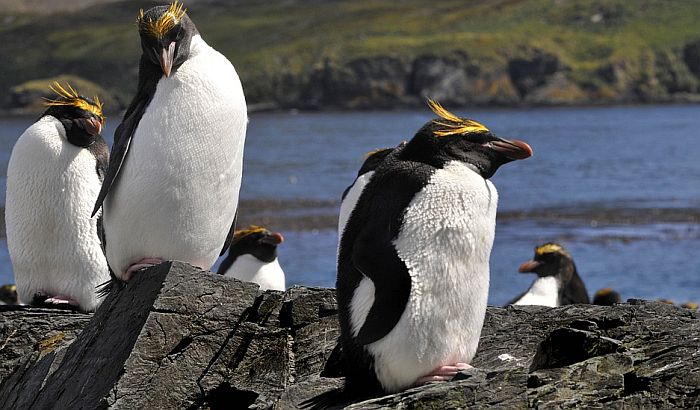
(177, 337)
(527, 74)
(27, 331)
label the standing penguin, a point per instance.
(413, 265)
(252, 257)
(171, 190)
(53, 178)
(353, 192)
(557, 282)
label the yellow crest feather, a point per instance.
(249, 231)
(456, 124)
(548, 248)
(68, 96)
(165, 23)
(376, 151)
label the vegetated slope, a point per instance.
(277, 46)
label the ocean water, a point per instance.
(618, 186)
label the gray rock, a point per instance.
(691, 57)
(527, 74)
(177, 337)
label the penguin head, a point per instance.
(373, 159)
(550, 259)
(81, 116)
(166, 33)
(451, 138)
(606, 297)
(256, 241)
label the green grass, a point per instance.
(265, 39)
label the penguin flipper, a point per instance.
(229, 236)
(375, 257)
(148, 80)
(335, 365)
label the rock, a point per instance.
(673, 74)
(447, 79)
(177, 337)
(365, 83)
(529, 73)
(28, 97)
(691, 57)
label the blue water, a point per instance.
(587, 159)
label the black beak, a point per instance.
(513, 150)
(166, 58)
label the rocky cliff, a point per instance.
(177, 337)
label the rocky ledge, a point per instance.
(177, 337)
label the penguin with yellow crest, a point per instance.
(413, 263)
(53, 178)
(557, 283)
(171, 189)
(252, 257)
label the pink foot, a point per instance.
(61, 300)
(442, 373)
(143, 263)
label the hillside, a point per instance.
(346, 54)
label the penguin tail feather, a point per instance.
(332, 399)
(104, 289)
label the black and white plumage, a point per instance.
(53, 178)
(413, 265)
(352, 193)
(557, 283)
(252, 257)
(171, 191)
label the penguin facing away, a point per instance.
(171, 190)
(252, 257)
(54, 175)
(413, 264)
(606, 297)
(557, 283)
(353, 192)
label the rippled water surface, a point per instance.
(619, 187)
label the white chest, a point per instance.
(268, 275)
(177, 192)
(445, 242)
(543, 291)
(52, 240)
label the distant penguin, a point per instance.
(353, 192)
(606, 297)
(8, 295)
(252, 257)
(557, 283)
(171, 190)
(53, 178)
(413, 266)
(690, 305)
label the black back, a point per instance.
(370, 164)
